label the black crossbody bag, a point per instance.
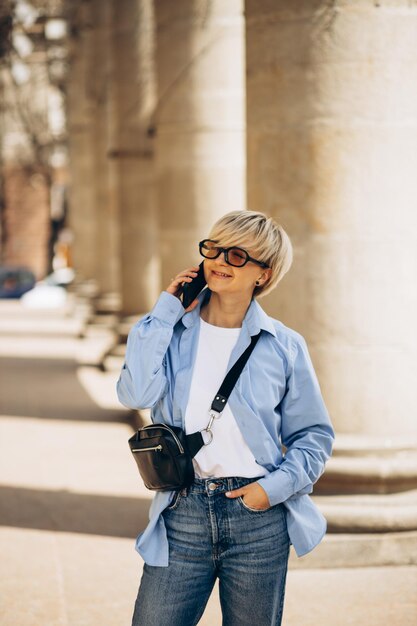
(164, 453)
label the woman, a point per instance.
(248, 502)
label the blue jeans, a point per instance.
(212, 536)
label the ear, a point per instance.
(265, 276)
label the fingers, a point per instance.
(191, 271)
(235, 493)
(254, 496)
(186, 275)
(241, 491)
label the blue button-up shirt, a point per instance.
(276, 399)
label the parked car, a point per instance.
(15, 281)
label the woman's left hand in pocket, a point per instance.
(253, 494)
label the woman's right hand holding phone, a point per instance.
(186, 276)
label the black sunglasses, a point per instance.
(233, 256)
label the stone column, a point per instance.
(332, 138)
(199, 121)
(102, 93)
(132, 153)
(82, 216)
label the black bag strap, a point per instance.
(195, 440)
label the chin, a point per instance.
(220, 289)
(214, 287)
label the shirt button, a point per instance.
(212, 486)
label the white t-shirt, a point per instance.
(228, 454)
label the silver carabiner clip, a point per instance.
(213, 416)
(210, 432)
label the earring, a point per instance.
(257, 282)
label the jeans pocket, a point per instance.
(248, 508)
(175, 501)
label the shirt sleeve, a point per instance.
(142, 381)
(306, 431)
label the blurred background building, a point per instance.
(32, 132)
(129, 126)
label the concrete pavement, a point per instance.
(72, 502)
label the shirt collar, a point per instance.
(255, 319)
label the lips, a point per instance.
(220, 274)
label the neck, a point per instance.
(226, 311)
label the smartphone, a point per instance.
(191, 290)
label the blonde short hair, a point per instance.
(267, 240)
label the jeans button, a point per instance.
(212, 486)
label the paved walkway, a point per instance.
(72, 502)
